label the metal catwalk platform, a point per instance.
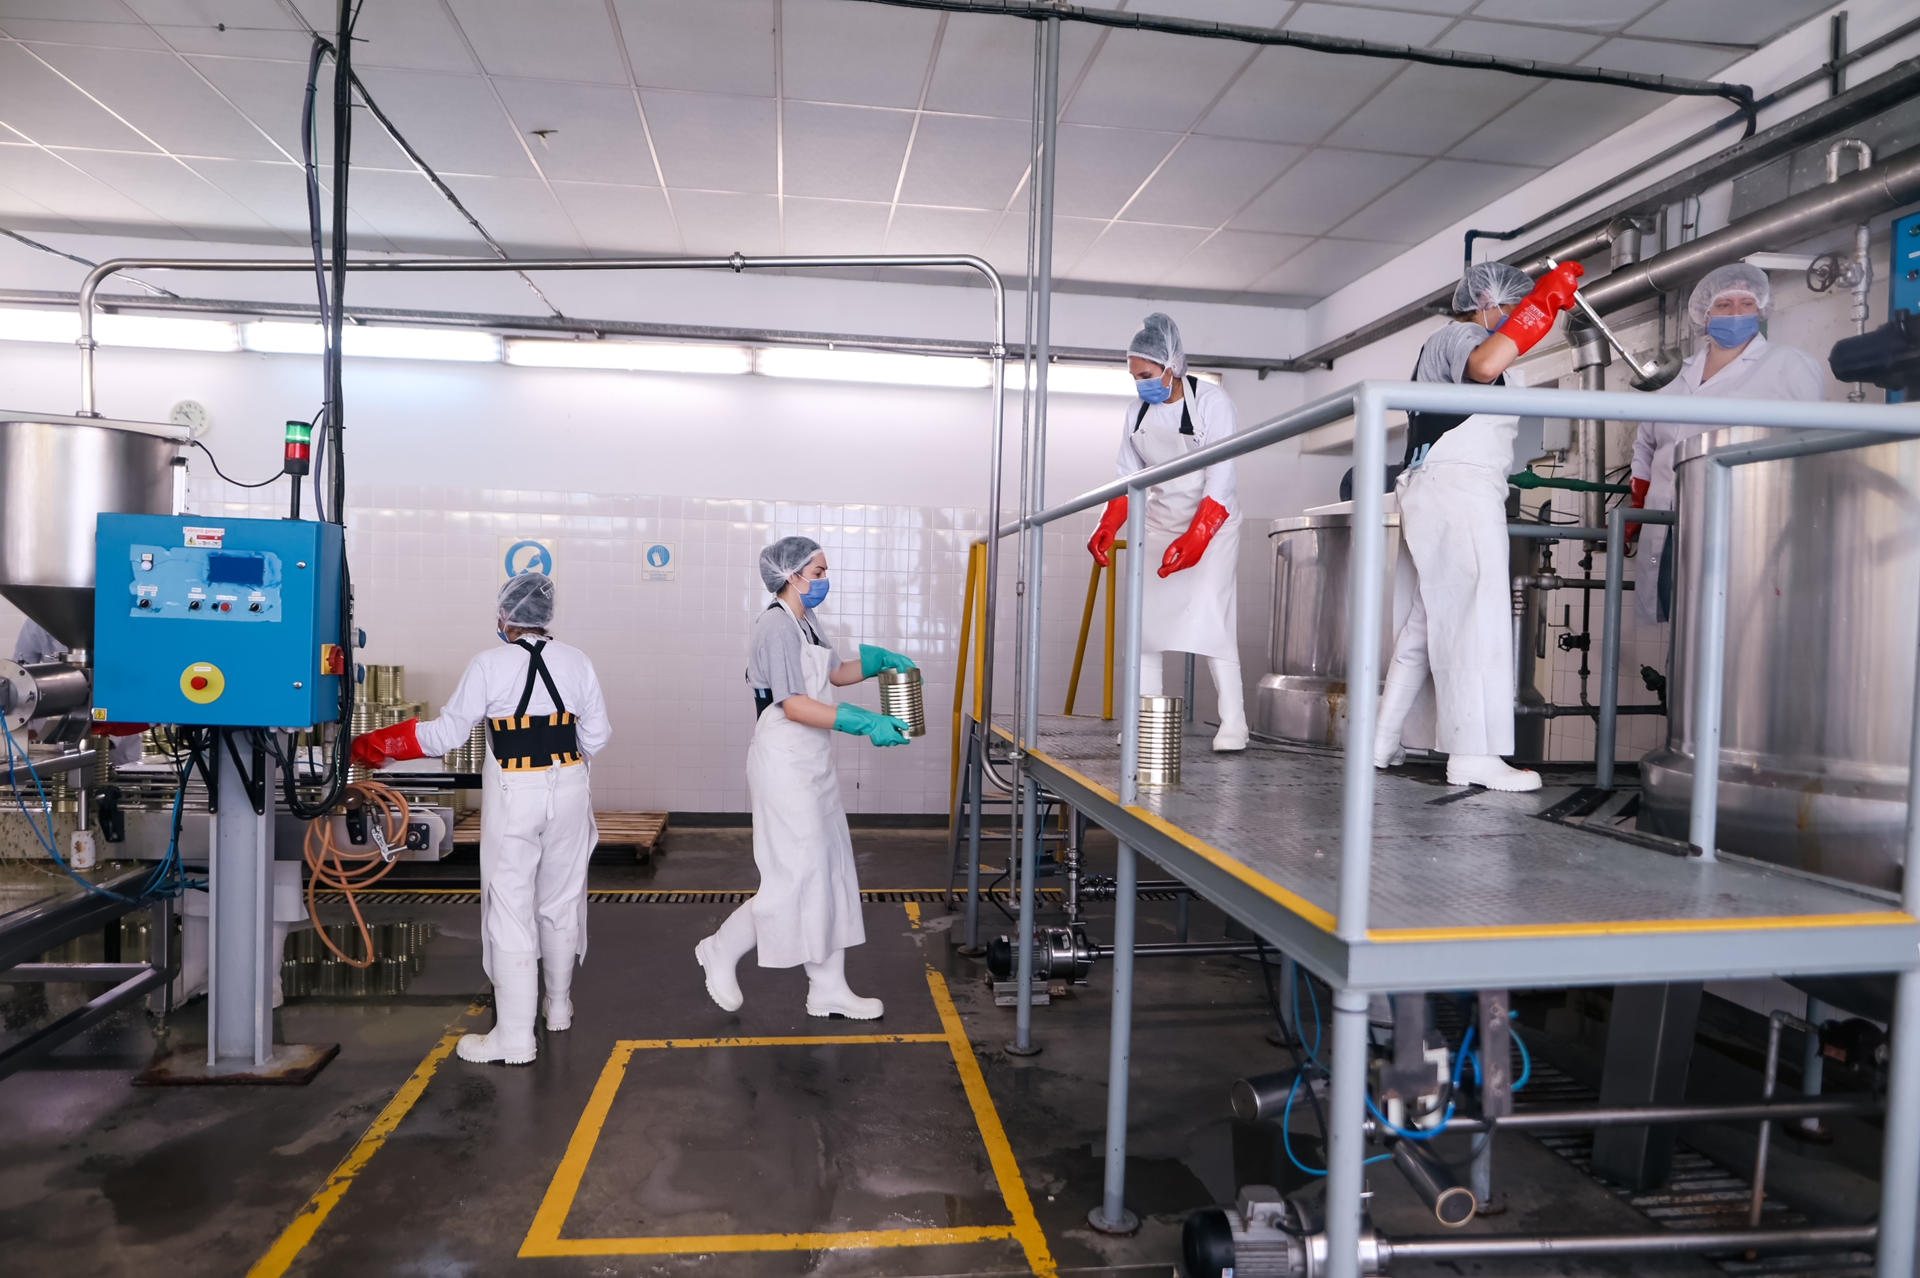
(1469, 889)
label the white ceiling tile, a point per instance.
(173, 193)
(620, 219)
(986, 65)
(1245, 13)
(553, 40)
(405, 209)
(108, 35)
(165, 99)
(595, 130)
(714, 143)
(1234, 260)
(924, 230)
(1655, 57)
(519, 213)
(487, 292)
(1324, 266)
(271, 94)
(715, 46)
(1293, 95)
(1506, 40)
(835, 226)
(1007, 246)
(864, 55)
(1435, 197)
(1358, 22)
(1582, 114)
(25, 213)
(966, 162)
(1581, 15)
(1427, 109)
(52, 112)
(70, 193)
(1147, 80)
(1315, 195)
(1748, 21)
(1208, 180)
(412, 34)
(1098, 170)
(276, 194)
(1129, 250)
(852, 153)
(452, 120)
(716, 224)
(234, 28)
(76, 10)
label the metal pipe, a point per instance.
(1666, 1242)
(1452, 1203)
(1862, 239)
(1347, 1103)
(1185, 949)
(1710, 641)
(1112, 1216)
(1606, 731)
(1557, 532)
(1368, 577)
(1900, 1134)
(975, 769)
(1554, 581)
(1769, 1079)
(1813, 1063)
(1551, 711)
(1130, 653)
(1581, 1118)
(1589, 433)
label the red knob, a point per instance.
(198, 683)
(226, 607)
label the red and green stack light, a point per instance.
(299, 447)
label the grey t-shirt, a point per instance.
(774, 652)
(1444, 357)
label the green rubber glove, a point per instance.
(858, 721)
(873, 660)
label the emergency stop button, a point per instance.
(202, 683)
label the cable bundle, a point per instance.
(351, 869)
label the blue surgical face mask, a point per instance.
(1732, 331)
(503, 635)
(815, 593)
(1153, 390)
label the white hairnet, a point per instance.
(1489, 284)
(526, 601)
(784, 558)
(1733, 279)
(1159, 340)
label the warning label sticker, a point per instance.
(205, 538)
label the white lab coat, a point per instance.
(537, 831)
(1761, 370)
(34, 646)
(1197, 609)
(808, 905)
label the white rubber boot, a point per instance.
(719, 957)
(1232, 696)
(1490, 771)
(558, 956)
(1396, 703)
(516, 991)
(828, 995)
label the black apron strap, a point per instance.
(537, 668)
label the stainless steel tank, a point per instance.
(1304, 696)
(57, 474)
(1823, 624)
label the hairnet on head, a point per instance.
(526, 601)
(1159, 341)
(1735, 278)
(1490, 284)
(784, 558)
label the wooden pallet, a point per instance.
(641, 831)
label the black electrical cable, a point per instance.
(271, 479)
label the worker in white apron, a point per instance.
(1193, 524)
(1735, 361)
(1453, 523)
(806, 912)
(546, 719)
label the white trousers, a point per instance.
(1227, 688)
(536, 838)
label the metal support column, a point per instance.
(239, 931)
(1900, 1157)
(1649, 1048)
(976, 770)
(1112, 1216)
(1606, 736)
(1347, 1119)
(1709, 664)
(1022, 1044)
(1496, 1087)
(1186, 686)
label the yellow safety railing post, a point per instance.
(1086, 631)
(976, 595)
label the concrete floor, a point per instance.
(578, 1166)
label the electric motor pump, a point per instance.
(1248, 1240)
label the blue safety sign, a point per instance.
(529, 556)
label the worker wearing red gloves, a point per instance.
(546, 719)
(1193, 523)
(1453, 523)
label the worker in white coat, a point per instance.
(1193, 523)
(1453, 523)
(1734, 361)
(546, 719)
(807, 910)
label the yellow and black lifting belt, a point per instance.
(523, 742)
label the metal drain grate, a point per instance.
(637, 896)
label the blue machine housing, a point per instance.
(1904, 290)
(232, 622)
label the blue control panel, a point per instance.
(1905, 286)
(233, 622)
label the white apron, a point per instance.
(1196, 609)
(808, 905)
(537, 836)
(1453, 523)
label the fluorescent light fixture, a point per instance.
(166, 332)
(642, 357)
(19, 324)
(384, 341)
(1076, 379)
(871, 366)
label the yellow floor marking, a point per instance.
(858, 1240)
(297, 1235)
(791, 1040)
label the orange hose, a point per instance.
(350, 869)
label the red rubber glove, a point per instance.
(120, 729)
(1187, 548)
(383, 745)
(1101, 543)
(1533, 318)
(1639, 502)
